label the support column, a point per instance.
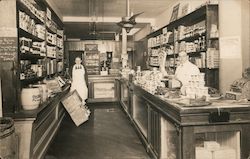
(124, 48)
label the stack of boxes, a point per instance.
(196, 87)
(213, 58)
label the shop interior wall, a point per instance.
(246, 33)
(103, 46)
(7, 16)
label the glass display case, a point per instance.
(140, 114)
(125, 96)
(217, 145)
(169, 140)
(104, 90)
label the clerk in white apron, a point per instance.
(79, 82)
(185, 70)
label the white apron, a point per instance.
(78, 82)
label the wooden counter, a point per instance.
(36, 128)
(170, 130)
(103, 88)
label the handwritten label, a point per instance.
(8, 48)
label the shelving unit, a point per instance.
(25, 63)
(33, 62)
(197, 34)
(92, 59)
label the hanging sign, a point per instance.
(48, 13)
(175, 13)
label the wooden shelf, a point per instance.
(172, 55)
(30, 56)
(33, 80)
(92, 65)
(154, 56)
(60, 36)
(24, 33)
(50, 30)
(192, 38)
(196, 52)
(154, 65)
(59, 47)
(50, 44)
(161, 45)
(25, 9)
(51, 57)
(213, 38)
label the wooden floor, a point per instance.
(107, 135)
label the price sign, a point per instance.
(175, 13)
(8, 48)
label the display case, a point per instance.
(169, 140)
(125, 95)
(140, 114)
(169, 130)
(102, 88)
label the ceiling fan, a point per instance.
(128, 22)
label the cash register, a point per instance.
(240, 89)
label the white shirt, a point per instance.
(184, 72)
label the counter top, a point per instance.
(102, 77)
(186, 115)
(32, 114)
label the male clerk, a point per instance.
(185, 70)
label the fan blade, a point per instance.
(134, 16)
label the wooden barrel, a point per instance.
(7, 139)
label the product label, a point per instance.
(36, 98)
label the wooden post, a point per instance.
(1, 105)
(124, 48)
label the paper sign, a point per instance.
(48, 13)
(8, 48)
(230, 47)
(73, 104)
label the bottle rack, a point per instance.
(92, 62)
(197, 34)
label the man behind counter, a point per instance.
(185, 70)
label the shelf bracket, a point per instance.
(178, 129)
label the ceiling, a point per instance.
(77, 15)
